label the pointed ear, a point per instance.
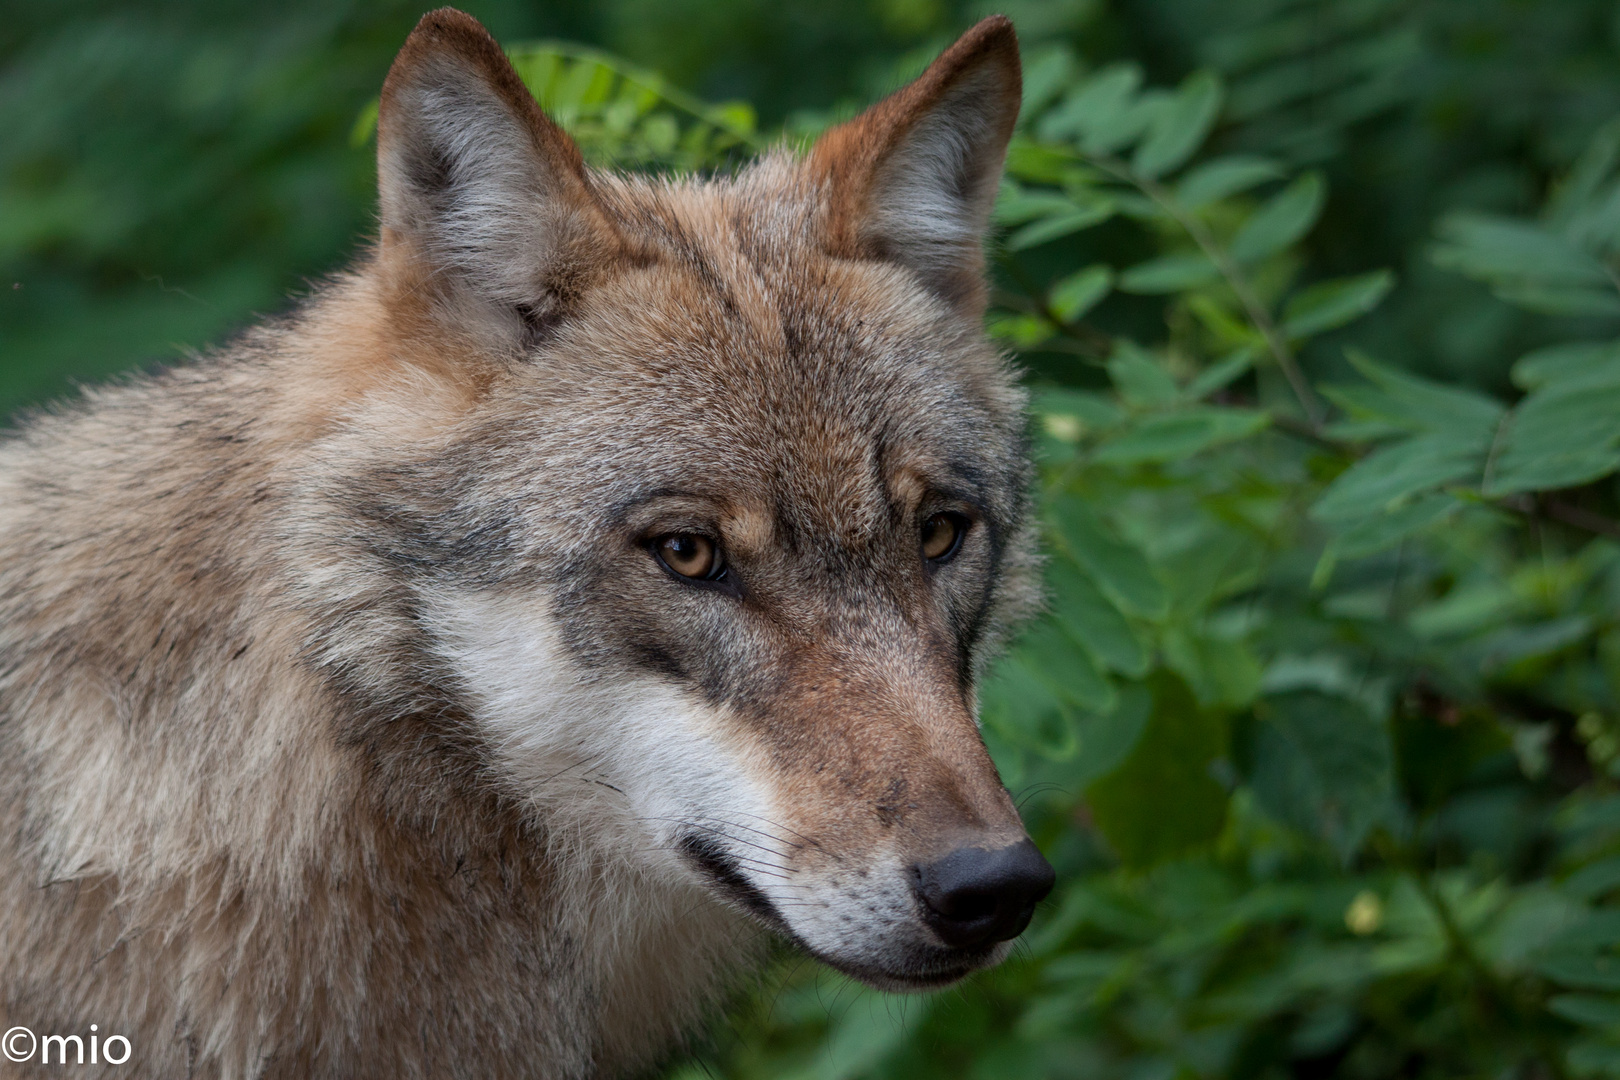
(482, 198)
(913, 178)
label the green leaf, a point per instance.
(1503, 250)
(1591, 817)
(1564, 434)
(1092, 412)
(1587, 179)
(1104, 113)
(1585, 957)
(734, 116)
(1463, 610)
(1119, 570)
(1397, 400)
(1221, 374)
(1594, 881)
(1551, 299)
(1162, 801)
(1534, 916)
(1220, 671)
(1023, 710)
(1065, 666)
(1107, 738)
(1015, 205)
(1060, 225)
(860, 1039)
(1378, 481)
(1049, 695)
(1046, 73)
(627, 116)
(1431, 404)
(1040, 163)
(1588, 1057)
(1370, 535)
(1022, 331)
(1330, 304)
(1285, 218)
(1226, 326)
(1181, 126)
(365, 125)
(1140, 379)
(573, 89)
(1222, 178)
(1587, 1009)
(1093, 620)
(1169, 273)
(1511, 644)
(1072, 296)
(1321, 764)
(1120, 130)
(1597, 361)
(1162, 437)
(661, 133)
(1526, 264)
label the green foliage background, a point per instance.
(1319, 301)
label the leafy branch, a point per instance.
(1234, 276)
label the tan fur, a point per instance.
(266, 808)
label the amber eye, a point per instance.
(690, 555)
(942, 536)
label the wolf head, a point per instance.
(720, 503)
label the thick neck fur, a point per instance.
(218, 839)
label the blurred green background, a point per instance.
(1319, 304)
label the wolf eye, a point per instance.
(690, 556)
(942, 536)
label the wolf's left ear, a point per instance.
(913, 178)
(484, 201)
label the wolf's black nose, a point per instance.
(975, 896)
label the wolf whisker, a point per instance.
(777, 825)
(715, 830)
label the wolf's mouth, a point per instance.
(940, 968)
(722, 869)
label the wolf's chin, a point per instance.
(918, 979)
(912, 971)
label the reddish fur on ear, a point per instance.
(483, 199)
(447, 32)
(913, 178)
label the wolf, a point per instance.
(472, 672)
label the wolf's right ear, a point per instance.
(482, 197)
(913, 178)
